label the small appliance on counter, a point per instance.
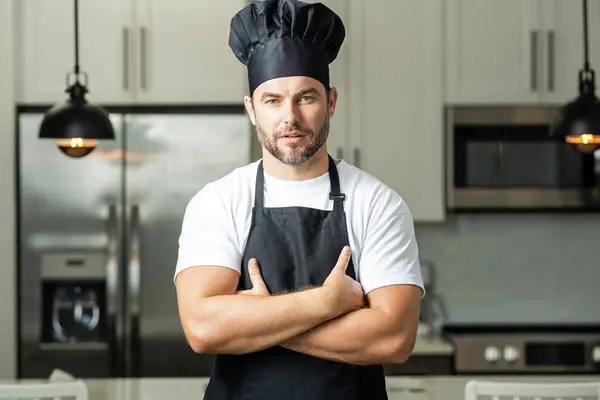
(522, 349)
(433, 312)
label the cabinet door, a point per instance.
(46, 41)
(183, 54)
(493, 51)
(563, 47)
(397, 99)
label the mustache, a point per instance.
(295, 128)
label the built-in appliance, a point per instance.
(503, 157)
(98, 240)
(525, 349)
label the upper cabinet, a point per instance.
(133, 51)
(45, 51)
(516, 51)
(183, 53)
(396, 99)
(562, 25)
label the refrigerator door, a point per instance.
(169, 158)
(69, 230)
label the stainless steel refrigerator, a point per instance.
(98, 240)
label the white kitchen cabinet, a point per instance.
(396, 99)
(45, 49)
(515, 51)
(134, 51)
(183, 54)
(563, 29)
(491, 51)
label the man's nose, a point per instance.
(290, 113)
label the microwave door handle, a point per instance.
(133, 292)
(501, 155)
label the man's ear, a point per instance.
(250, 109)
(333, 97)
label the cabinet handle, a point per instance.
(357, 158)
(143, 77)
(340, 153)
(126, 58)
(551, 58)
(534, 64)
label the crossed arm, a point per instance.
(382, 333)
(216, 319)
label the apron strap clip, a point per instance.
(335, 196)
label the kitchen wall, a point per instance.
(516, 268)
(7, 197)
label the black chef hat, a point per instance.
(277, 38)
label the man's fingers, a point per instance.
(343, 259)
(255, 276)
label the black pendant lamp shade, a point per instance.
(578, 122)
(76, 124)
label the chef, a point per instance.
(299, 271)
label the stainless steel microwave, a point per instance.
(502, 157)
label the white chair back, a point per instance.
(76, 390)
(482, 390)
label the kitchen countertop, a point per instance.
(432, 346)
(399, 388)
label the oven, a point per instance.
(502, 157)
(525, 349)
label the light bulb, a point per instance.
(585, 143)
(76, 147)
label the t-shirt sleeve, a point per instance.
(208, 234)
(390, 253)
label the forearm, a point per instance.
(236, 324)
(361, 337)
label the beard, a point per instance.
(294, 155)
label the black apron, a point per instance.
(295, 247)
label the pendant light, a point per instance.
(76, 124)
(578, 122)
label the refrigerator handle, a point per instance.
(114, 324)
(133, 292)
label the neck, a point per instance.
(313, 168)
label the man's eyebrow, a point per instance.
(310, 90)
(268, 94)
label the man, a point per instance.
(262, 278)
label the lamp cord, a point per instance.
(76, 40)
(586, 63)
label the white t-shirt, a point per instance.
(380, 226)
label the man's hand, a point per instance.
(259, 288)
(346, 293)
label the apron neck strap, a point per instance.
(334, 181)
(336, 195)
